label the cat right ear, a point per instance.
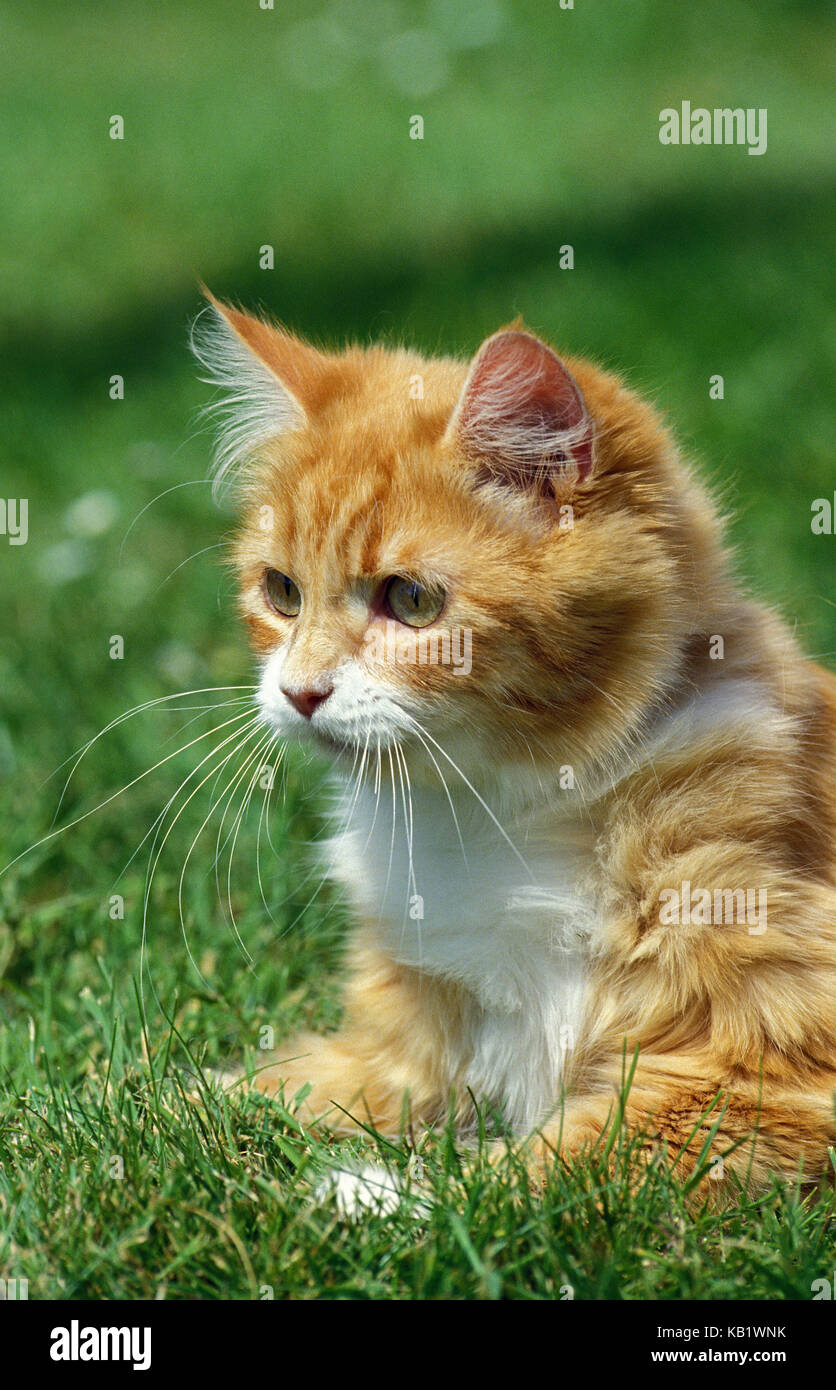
(522, 417)
(269, 381)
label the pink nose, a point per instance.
(306, 701)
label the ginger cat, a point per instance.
(611, 826)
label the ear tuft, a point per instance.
(522, 415)
(242, 358)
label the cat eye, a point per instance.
(411, 603)
(281, 593)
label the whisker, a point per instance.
(62, 830)
(221, 704)
(156, 857)
(359, 780)
(479, 798)
(144, 957)
(192, 482)
(411, 887)
(79, 754)
(264, 805)
(217, 772)
(161, 815)
(377, 782)
(219, 847)
(392, 836)
(322, 882)
(218, 545)
(443, 781)
(259, 763)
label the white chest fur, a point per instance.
(509, 921)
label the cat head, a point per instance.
(499, 559)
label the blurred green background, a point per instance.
(289, 127)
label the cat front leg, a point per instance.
(738, 1135)
(387, 1067)
(729, 1015)
(341, 1085)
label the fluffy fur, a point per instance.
(510, 835)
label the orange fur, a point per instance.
(589, 643)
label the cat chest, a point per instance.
(508, 916)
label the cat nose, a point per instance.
(306, 701)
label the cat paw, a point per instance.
(368, 1190)
(212, 1081)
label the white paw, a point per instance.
(370, 1189)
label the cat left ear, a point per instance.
(521, 414)
(270, 381)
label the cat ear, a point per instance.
(522, 416)
(269, 380)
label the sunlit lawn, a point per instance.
(687, 264)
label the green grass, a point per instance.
(687, 263)
(147, 1193)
